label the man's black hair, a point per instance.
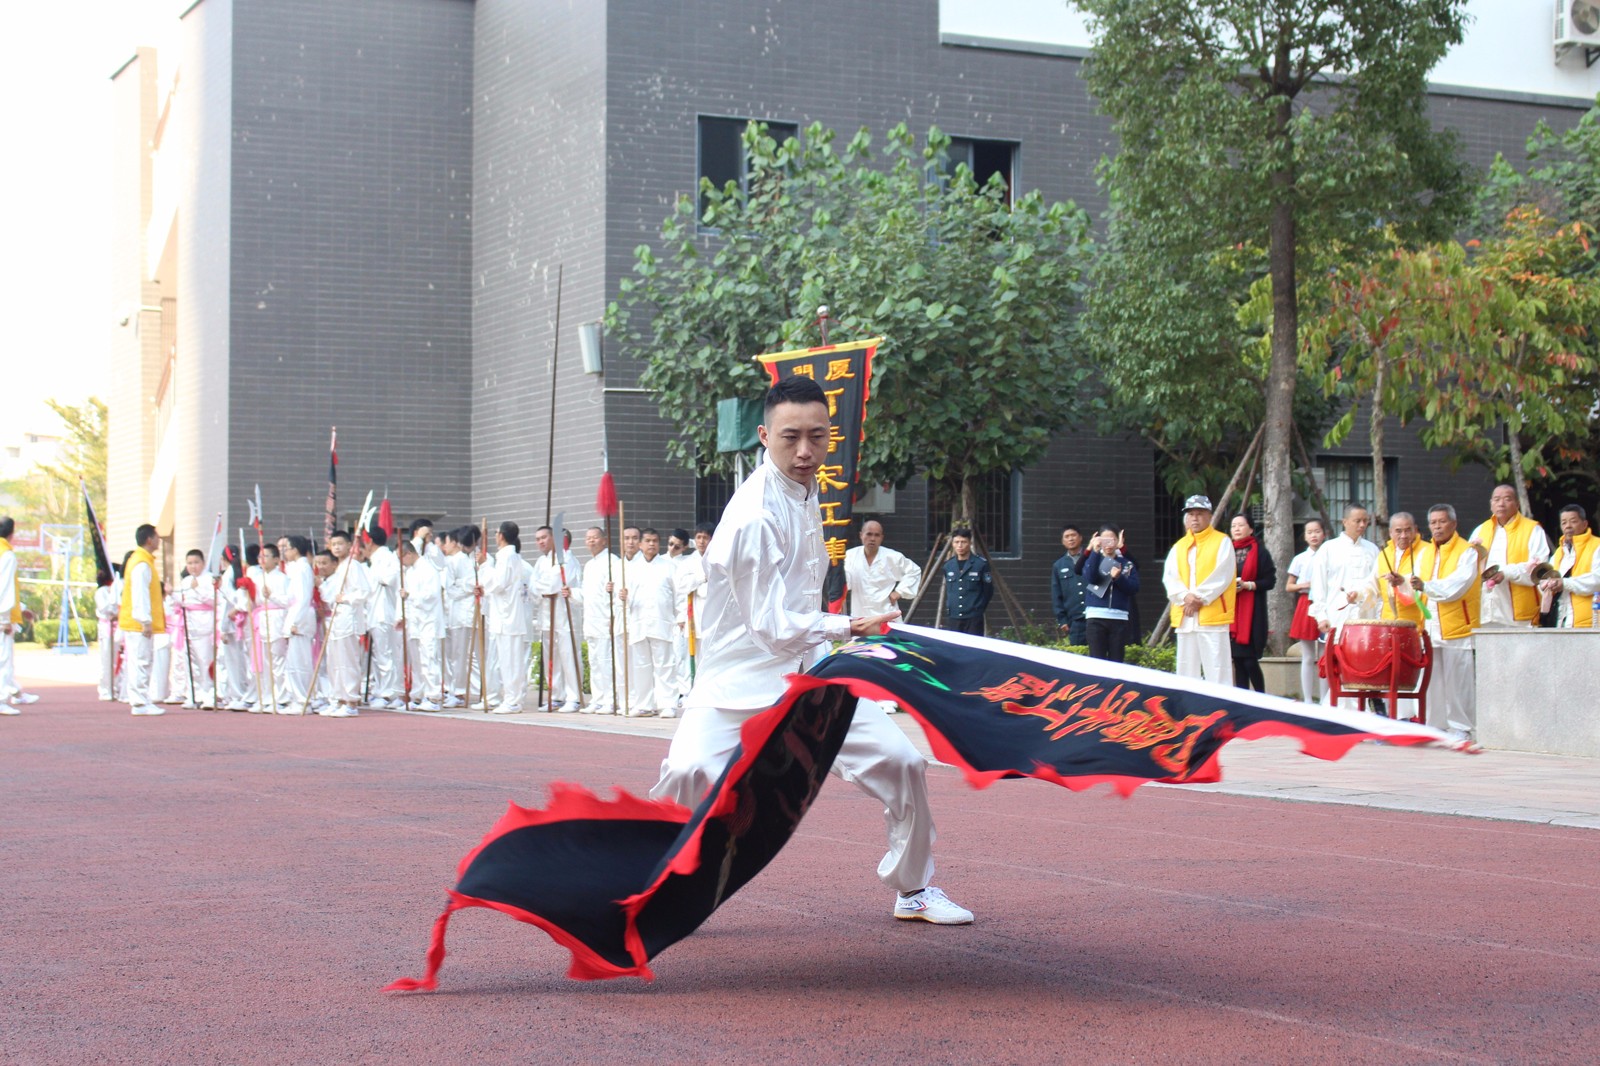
(419, 525)
(1577, 509)
(1073, 526)
(324, 553)
(266, 549)
(708, 528)
(300, 544)
(340, 534)
(962, 532)
(649, 531)
(796, 388)
(252, 553)
(142, 535)
(376, 534)
(195, 553)
(681, 534)
(8, 526)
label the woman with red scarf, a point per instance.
(1256, 576)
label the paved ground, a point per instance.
(235, 888)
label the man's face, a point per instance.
(1404, 532)
(192, 565)
(325, 565)
(595, 541)
(1194, 519)
(269, 562)
(961, 546)
(676, 547)
(545, 541)
(1072, 540)
(871, 535)
(1441, 525)
(630, 543)
(1572, 524)
(796, 436)
(650, 544)
(1356, 521)
(1503, 504)
(339, 547)
(283, 548)
(702, 541)
(449, 545)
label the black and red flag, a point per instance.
(102, 560)
(330, 516)
(617, 881)
(845, 373)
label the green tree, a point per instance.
(1278, 124)
(974, 296)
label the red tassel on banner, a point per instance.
(386, 518)
(605, 501)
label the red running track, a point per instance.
(236, 888)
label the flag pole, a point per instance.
(483, 623)
(627, 649)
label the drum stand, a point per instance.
(1394, 694)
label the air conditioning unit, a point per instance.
(1577, 24)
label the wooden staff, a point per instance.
(481, 624)
(627, 653)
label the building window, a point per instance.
(1349, 481)
(998, 523)
(722, 155)
(711, 495)
(985, 159)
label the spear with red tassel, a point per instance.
(605, 502)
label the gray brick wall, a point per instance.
(351, 255)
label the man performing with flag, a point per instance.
(762, 620)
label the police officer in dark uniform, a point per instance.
(1067, 589)
(968, 585)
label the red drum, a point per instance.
(1374, 654)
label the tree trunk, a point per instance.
(1380, 487)
(966, 509)
(1277, 485)
(1517, 479)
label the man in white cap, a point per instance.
(1199, 579)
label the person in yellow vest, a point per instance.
(1516, 546)
(141, 619)
(1447, 575)
(11, 695)
(1396, 565)
(1199, 579)
(1576, 573)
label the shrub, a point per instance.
(45, 630)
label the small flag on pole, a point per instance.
(330, 518)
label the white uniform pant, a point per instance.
(510, 652)
(108, 661)
(386, 662)
(198, 652)
(233, 675)
(876, 757)
(651, 676)
(294, 669)
(1204, 653)
(457, 659)
(138, 667)
(159, 688)
(1452, 688)
(600, 673)
(563, 674)
(345, 669)
(680, 663)
(425, 680)
(1310, 683)
(8, 667)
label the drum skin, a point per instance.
(1369, 650)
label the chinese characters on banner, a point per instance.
(845, 373)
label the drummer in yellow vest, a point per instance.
(11, 695)
(1516, 546)
(141, 618)
(1199, 579)
(1447, 576)
(1578, 578)
(1396, 565)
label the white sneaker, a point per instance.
(568, 708)
(9, 708)
(378, 703)
(451, 701)
(931, 905)
(254, 709)
(189, 705)
(172, 700)
(669, 713)
(150, 709)
(22, 699)
(506, 708)
(237, 705)
(295, 709)
(340, 710)
(425, 705)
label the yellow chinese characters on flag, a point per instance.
(845, 373)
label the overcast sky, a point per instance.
(54, 268)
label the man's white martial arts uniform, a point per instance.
(344, 595)
(600, 614)
(1202, 637)
(269, 614)
(383, 617)
(562, 664)
(650, 608)
(688, 589)
(1343, 567)
(235, 679)
(299, 626)
(424, 610)
(456, 573)
(762, 620)
(106, 604)
(508, 600)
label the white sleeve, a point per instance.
(1538, 552)
(910, 577)
(757, 591)
(1176, 590)
(8, 582)
(141, 591)
(1454, 585)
